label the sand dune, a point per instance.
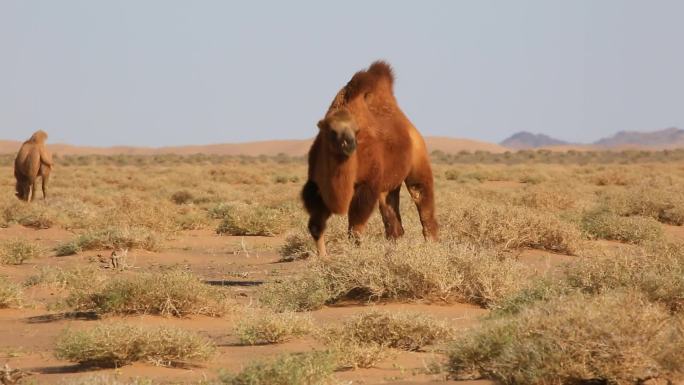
(270, 147)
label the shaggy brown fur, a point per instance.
(365, 149)
(33, 160)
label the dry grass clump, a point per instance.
(253, 220)
(36, 215)
(661, 201)
(182, 197)
(172, 293)
(78, 277)
(297, 245)
(265, 327)
(113, 345)
(10, 294)
(400, 330)
(312, 368)
(600, 223)
(617, 338)
(306, 292)
(105, 380)
(16, 251)
(658, 273)
(112, 238)
(548, 197)
(510, 227)
(408, 269)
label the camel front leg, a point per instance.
(360, 210)
(46, 179)
(318, 215)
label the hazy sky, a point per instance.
(191, 72)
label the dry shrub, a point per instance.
(400, 330)
(312, 368)
(306, 292)
(16, 251)
(113, 345)
(618, 338)
(656, 272)
(253, 220)
(548, 197)
(297, 245)
(36, 215)
(106, 380)
(79, 278)
(112, 238)
(509, 227)
(265, 327)
(661, 201)
(409, 269)
(10, 294)
(600, 223)
(182, 197)
(172, 293)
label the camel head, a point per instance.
(339, 131)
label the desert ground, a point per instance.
(552, 268)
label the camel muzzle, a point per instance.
(348, 146)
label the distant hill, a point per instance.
(661, 139)
(270, 147)
(525, 140)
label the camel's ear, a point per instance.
(321, 124)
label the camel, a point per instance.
(365, 149)
(33, 160)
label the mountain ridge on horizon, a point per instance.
(667, 138)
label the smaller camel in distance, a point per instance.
(365, 149)
(33, 160)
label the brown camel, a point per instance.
(365, 149)
(33, 160)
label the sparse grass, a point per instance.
(400, 330)
(253, 220)
(16, 251)
(307, 292)
(106, 380)
(79, 277)
(618, 338)
(606, 225)
(112, 345)
(406, 270)
(182, 197)
(112, 238)
(657, 273)
(264, 327)
(313, 368)
(297, 245)
(10, 294)
(171, 293)
(507, 226)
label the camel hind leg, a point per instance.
(45, 180)
(421, 188)
(389, 210)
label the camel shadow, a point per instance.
(74, 315)
(223, 282)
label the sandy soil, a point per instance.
(27, 335)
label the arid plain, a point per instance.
(552, 267)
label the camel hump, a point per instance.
(39, 136)
(381, 70)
